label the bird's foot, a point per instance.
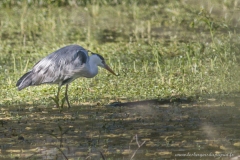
(56, 100)
(60, 104)
(69, 106)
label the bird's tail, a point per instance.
(24, 81)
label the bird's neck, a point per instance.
(93, 68)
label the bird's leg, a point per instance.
(57, 96)
(66, 96)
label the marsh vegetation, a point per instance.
(182, 53)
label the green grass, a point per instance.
(162, 50)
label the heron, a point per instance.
(62, 67)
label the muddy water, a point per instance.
(148, 131)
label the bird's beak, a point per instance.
(109, 69)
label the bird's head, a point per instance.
(99, 60)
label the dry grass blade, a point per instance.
(102, 155)
(62, 153)
(139, 146)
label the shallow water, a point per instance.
(92, 132)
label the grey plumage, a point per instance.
(58, 67)
(62, 67)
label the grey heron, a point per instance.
(62, 67)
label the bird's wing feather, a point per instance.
(60, 65)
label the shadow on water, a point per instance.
(151, 129)
(154, 102)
